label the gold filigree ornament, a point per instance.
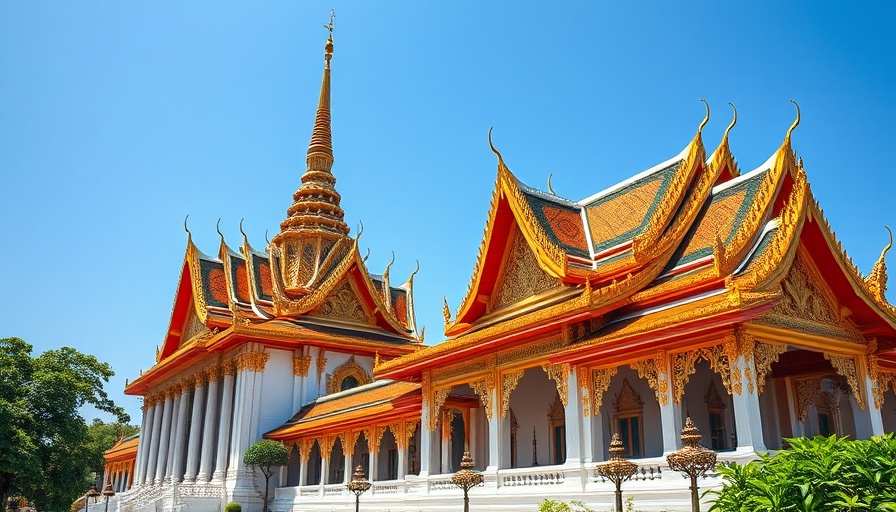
(876, 282)
(559, 373)
(509, 381)
(484, 387)
(252, 361)
(300, 366)
(601, 383)
(684, 365)
(764, 355)
(846, 366)
(653, 371)
(806, 393)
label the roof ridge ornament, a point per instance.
(492, 146)
(796, 122)
(550, 188)
(876, 282)
(733, 122)
(705, 119)
(187, 229)
(218, 229)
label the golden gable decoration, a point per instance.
(521, 276)
(344, 304)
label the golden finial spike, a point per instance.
(218, 229)
(550, 188)
(733, 122)
(187, 229)
(495, 151)
(360, 229)
(876, 282)
(241, 229)
(367, 255)
(386, 272)
(889, 245)
(796, 122)
(705, 119)
(266, 239)
(446, 312)
(414, 273)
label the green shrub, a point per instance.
(233, 507)
(561, 506)
(820, 475)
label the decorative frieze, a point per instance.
(764, 354)
(252, 361)
(300, 366)
(509, 381)
(806, 392)
(846, 366)
(559, 373)
(484, 387)
(601, 383)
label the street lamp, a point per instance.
(617, 469)
(92, 493)
(108, 492)
(358, 485)
(466, 478)
(692, 460)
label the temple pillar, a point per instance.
(347, 468)
(224, 423)
(180, 435)
(747, 414)
(426, 441)
(144, 438)
(670, 416)
(195, 442)
(236, 424)
(402, 460)
(499, 436)
(371, 461)
(324, 471)
(209, 427)
(172, 436)
(250, 366)
(573, 413)
(445, 443)
(796, 426)
(869, 422)
(162, 459)
(303, 467)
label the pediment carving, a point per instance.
(521, 276)
(344, 304)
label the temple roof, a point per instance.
(125, 448)
(722, 253)
(363, 404)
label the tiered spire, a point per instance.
(316, 203)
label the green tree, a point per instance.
(44, 441)
(266, 455)
(820, 474)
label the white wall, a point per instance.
(531, 403)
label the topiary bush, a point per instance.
(820, 474)
(266, 455)
(233, 507)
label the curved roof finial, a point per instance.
(386, 272)
(889, 245)
(495, 151)
(241, 228)
(187, 229)
(218, 228)
(364, 259)
(550, 188)
(733, 121)
(414, 273)
(796, 122)
(360, 229)
(266, 239)
(705, 119)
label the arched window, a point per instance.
(348, 382)
(346, 376)
(628, 415)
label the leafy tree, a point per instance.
(266, 455)
(821, 474)
(44, 441)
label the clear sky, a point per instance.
(119, 118)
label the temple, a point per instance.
(692, 289)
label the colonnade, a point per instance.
(195, 430)
(120, 475)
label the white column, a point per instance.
(670, 417)
(209, 428)
(498, 436)
(298, 381)
(869, 421)
(347, 468)
(236, 422)
(747, 416)
(303, 470)
(172, 436)
(796, 426)
(153, 452)
(402, 460)
(324, 471)
(162, 459)
(144, 439)
(195, 431)
(224, 424)
(573, 415)
(372, 459)
(180, 436)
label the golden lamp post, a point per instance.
(692, 460)
(466, 478)
(617, 469)
(92, 493)
(358, 485)
(108, 492)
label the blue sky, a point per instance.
(117, 119)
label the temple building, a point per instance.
(693, 289)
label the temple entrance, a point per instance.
(336, 470)
(629, 407)
(463, 426)
(709, 406)
(361, 454)
(540, 437)
(315, 463)
(293, 467)
(387, 458)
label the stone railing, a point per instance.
(441, 483)
(199, 490)
(309, 490)
(143, 496)
(389, 487)
(644, 472)
(531, 477)
(334, 490)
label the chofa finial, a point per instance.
(733, 121)
(550, 188)
(187, 229)
(705, 119)
(495, 151)
(796, 122)
(889, 245)
(218, 229)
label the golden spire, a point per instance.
(877, 279)
(316, 203)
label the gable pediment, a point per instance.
(520, 276)
(808, 304)
(344, 304)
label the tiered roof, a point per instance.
(687, 247)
